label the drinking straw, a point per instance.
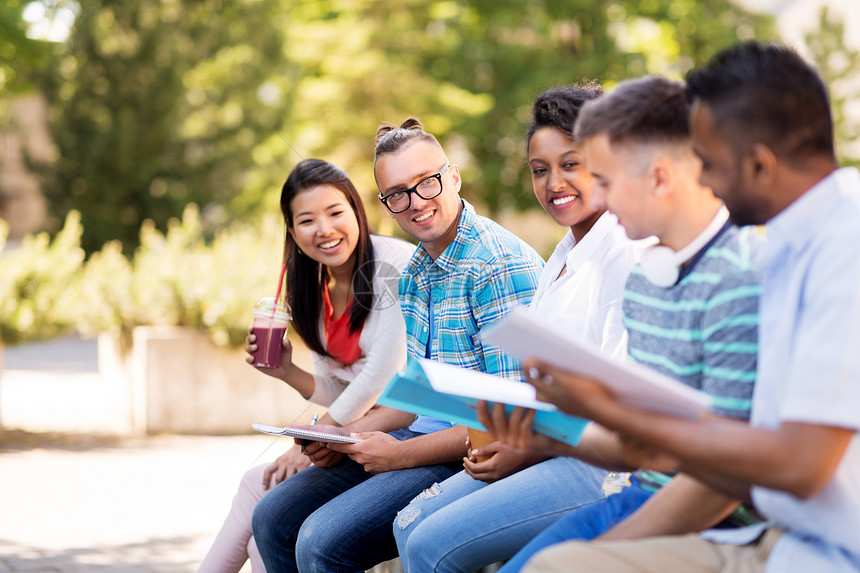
(278, 292)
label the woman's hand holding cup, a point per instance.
(286, 358)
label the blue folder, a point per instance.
(410, 390)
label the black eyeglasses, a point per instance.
(427, 188)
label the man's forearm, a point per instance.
(684, 505)
(440, 447)
(731, 486)
(598, 447)
(797, 458)
(381, 419)
(693, 442)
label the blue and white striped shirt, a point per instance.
(702, 331)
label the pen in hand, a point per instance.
(313, 421)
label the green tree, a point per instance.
(155, 105)
(469, 70)
(19, 55)
(838, 65)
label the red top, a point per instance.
(341, 344)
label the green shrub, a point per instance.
(37, 283)
(179, 278)
(105, 294)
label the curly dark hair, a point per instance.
(559, 107)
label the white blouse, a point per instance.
(587, 299)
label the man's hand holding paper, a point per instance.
(550, 355)
(576, 395)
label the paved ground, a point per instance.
(80, 503)
(73, 498)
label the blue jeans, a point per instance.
(339, 518)
(586, 523)
(468, 524)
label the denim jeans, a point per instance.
(468, 524)
(585, 523)
(337, 519)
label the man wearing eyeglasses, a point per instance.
(427, 189)
(467, 273)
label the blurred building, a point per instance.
(23, 136)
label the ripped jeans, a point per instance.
(337, 519)
(466, 524)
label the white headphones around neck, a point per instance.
(662, 266)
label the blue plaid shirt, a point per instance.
(483, 274)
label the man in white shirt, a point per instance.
(762, 126)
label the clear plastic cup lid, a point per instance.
(266, 306)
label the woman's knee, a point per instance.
(406, 520)
(252, 481)
(422, 505)
(249, 494)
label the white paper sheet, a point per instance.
(473, 384)
(524, 336)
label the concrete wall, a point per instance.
(175, 380)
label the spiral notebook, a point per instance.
(303, 433)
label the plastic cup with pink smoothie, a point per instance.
(271, 320)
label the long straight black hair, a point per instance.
(306, 278)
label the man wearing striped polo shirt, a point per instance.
(763, 125)
(690, 306)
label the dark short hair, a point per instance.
(390, 138)
(765, 93)
(306, 278)
(559, 107)
(652, 109)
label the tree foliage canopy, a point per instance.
(19, 55)
(154, 106)
(158, 103)
(838, 65)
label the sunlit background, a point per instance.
(143, 145)
(147, 141)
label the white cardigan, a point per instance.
(350, 391)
